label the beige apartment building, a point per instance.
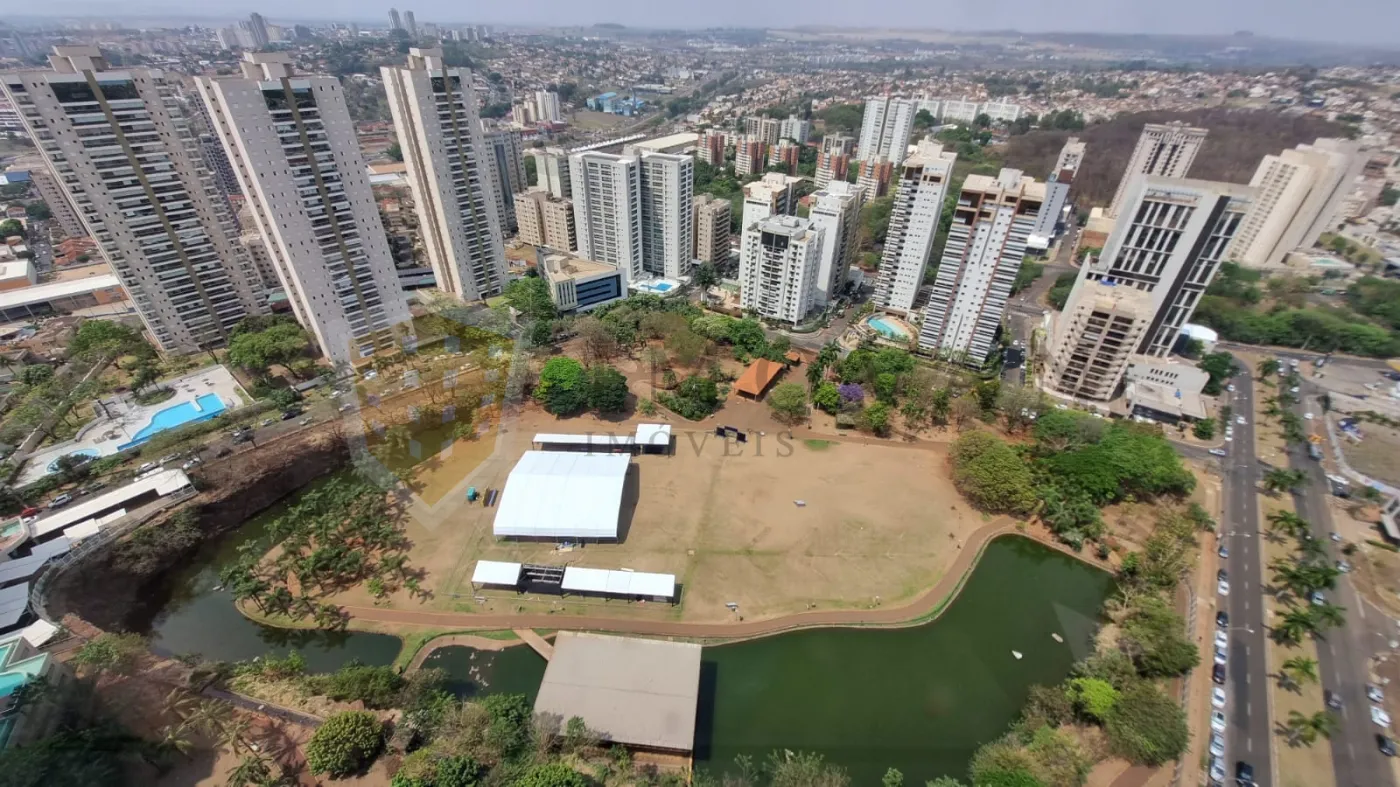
(711, 229)
(546, 220)
(1095, 336)
(1299, 192)
(1165, 150)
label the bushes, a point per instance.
(1146, 726)
(788, 401)
(346, 743)
(566, 388)
(991, 475)
(554, 774)
(376, 687)
(695, 398)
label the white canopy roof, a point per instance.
(162, 482)
(590, 438)
(618, 583)
(558, 494)
(654, 434)
(13, 602)
(492, 572)
(38, 632)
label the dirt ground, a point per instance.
(880, 524)
(1378, 453)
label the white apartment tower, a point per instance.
(1169, 242)
(769, 196)
(1166, 150)
(451, 174)
(506, 166)
(553, 172)
(1096, 335)
(668, 218)
(796, 129)
(292, 144)
(836, 212)
(126, 157)
(914, 216)
(547, 106)
(885, 128)
(1299, 192)
(986, 242)
(778, 268)
(1071, 158)
(607, 208)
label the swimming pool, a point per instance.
(9, 681)
(661, 286)
(92, 452)
(201, 409)
(887, 329)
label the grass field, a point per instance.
(1378, 454)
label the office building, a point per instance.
(65, 217)
(778, 267)
(545, 220)
(1298, 193)
(1165, 150)
(839, 144)
(711, 229)
(711, 148)
(292, 143)
(635, 211)
(168, 234)
(831, 166)
(875, 177)
(552, 171)
(914, 216)
(748, 156)
(836, 212)
(795, 129)
(257, 26)
(506, 164)
(981, 257)
(577, 284)
(454, 173)
(1095, 336)
(770, 196)
(885, 128)
(1169, 242)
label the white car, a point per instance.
(1222, 640)
(1335, 536)
(1217, 770)
(1217, 744)
(1294, 389)
(1230, 387)
(1380, 717)
(1239, 419)
(1223, 587)
(1221, 656)
(1229, 438)
(1218, 452)
(1343, 566)
(1373, 693)
(1307, 416)
(1217, 697)
(1217, 721)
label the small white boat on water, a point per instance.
(1017, 654)
(1058, 638)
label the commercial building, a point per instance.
(671, 143)
(450, 169)
(635, 211)
(546, 221)
(577, 284)
(506, 165)
(770, 196)
(292, 143)
(885, 128)
(1165, 150)
(749, 156)
(831, 166)
(1298, 194)
(778, 268)
(1098, 331)
(914, 217)
(553, 172)
(711, 229)
(795, 129)
(836, 212)
(125, 156)
(1169, 242)
(992, 219)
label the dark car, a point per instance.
(290, 413)
(1244, 774)
(1222, 576)
(1387, 746)
(1222, 619)
(1217, 674)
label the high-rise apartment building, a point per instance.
(506, 165)
(1169, 242)
(454, 173)
(711, 229)
(769, 196)
(124, 154)
(875, 177)
(257, 26)
(292, 143)
(1165, 150)
(547, 106)
(1095, 336)
(711, 147)
(546, 220)
(914, 215)
(831, 166)
(778, 268)
(395, 23)
(635, 211)
(795, 129)
(769, 131)
(748, 156)
(836, 212)
(1298, 192)
(839, 144)
(785, 154)
(64, 215)
(981, 257)
(885, 128)
(552, 170)
(1069, 161)
(410, 24)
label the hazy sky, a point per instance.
(1369, 21)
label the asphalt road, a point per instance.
(1344, 653)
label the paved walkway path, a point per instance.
(537, 642)
(916, 612)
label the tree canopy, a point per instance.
(345, 743)
(991, 474)
(279, 343)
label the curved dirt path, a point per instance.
(916, 612)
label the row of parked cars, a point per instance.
(1244, 772)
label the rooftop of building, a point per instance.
(18, 269)
(559, 266)
(1164, 399)
(669, 142)
(1009, 181)
(791, 226)
(1106, 295)
(1239, 190)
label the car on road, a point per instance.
(145, 467)
(1307, 416)
(1294, 389)
(1222, 619)
(61, 501)
(1221, 656)
(1317, 598)
(1218, 452)
(1217, 744)
(1217, 674)
(1230, 387)
(1239, 419)
(1223, 551)
(1386, 745)
(1373, 693)
(1229, 438)
(1332, 698)
(1222, 640)
(1217, 697)
(267, 422)
(1335, 536)
(1343, 566)
(1222, 587)
(1244, 774)
(290, 413)
(1217, 721)
(1379, 716)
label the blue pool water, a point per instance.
(887, 329)
(201, 409)
(10, 681)
(93, 452)
(662, 287)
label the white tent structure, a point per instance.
(558, 494)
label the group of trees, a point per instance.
(1221, 367)
(1296, 578)
(566, 388)
(257, 343)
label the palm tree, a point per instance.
(1268, 367)
(1300, 670)
(1280, 480)
(1288, 523)
(1295, 625)
(1305, 729)
(1328, 616)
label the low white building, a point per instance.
(577, 284)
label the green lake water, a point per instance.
(475, 673)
